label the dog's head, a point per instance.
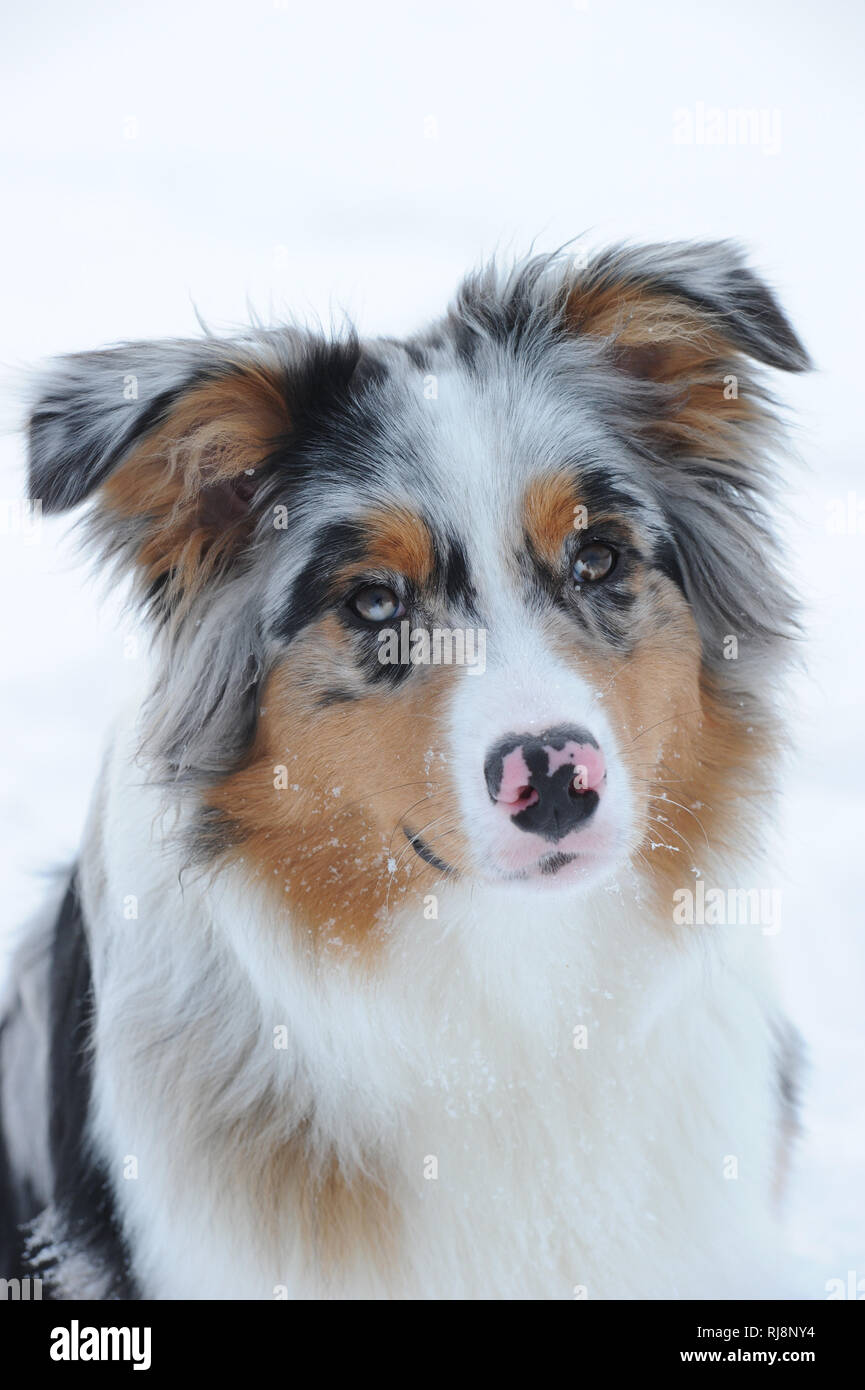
(498, 602)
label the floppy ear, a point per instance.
(686, 316)
(175, 438)
(685, 324)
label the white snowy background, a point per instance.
(321, 158)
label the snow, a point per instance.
(308, 161)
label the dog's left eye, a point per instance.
(376, 604)
(595, 561)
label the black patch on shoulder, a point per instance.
(17, 1207)
(82, 1192)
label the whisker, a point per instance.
(402, 816)
(668, 801)
(409, 846)
(667, 825)
(680, 714)
(419, 834)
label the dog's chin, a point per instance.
(578, 862)
(557, 872)
(573, 869)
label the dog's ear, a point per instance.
(174, 439)
(685, 316)
(687, 327)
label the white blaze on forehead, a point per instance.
(486, 437)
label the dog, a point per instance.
(373, 979)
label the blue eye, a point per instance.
(595, 561)
(376, 604)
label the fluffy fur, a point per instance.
(317, 1018)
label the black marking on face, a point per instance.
(666, 559)
(541, 575)
(377, 672)
(336, 696)
(552, 863)
(458, 587)
(312, 593)
(605, 613)
(422, 849)
(601, 607)
(315, 590)
(602, 497)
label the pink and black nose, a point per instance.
(549, 783)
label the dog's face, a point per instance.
(481, 645)
(456, 607)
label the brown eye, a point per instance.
(376, 604)
(594, 562)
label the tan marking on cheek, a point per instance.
(710, 782)
(687, 753)
(327, 841)
(173, 480)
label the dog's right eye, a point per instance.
(376, 604)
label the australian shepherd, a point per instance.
(375, 976)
